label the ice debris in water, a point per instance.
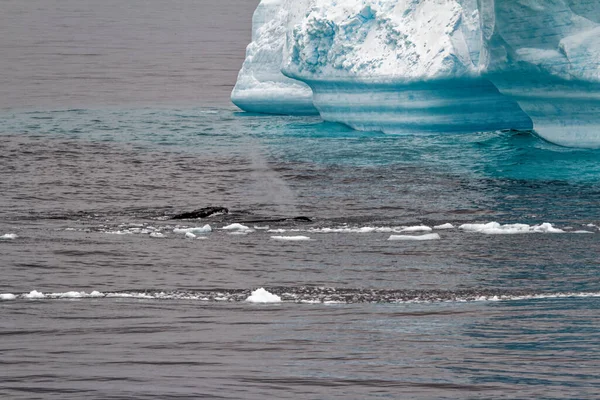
(237, 229)
(262, 296)
(190, 235)
(494, 228)
(291, 238)
(196, 230)
(9, 236)
(428, 236)
(157, 235)
(7, 296)
(34, 294)
(444, 226)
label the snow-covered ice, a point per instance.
(34, 294)
(291, 238)
(494, 228)
(444, 226)
(428, 236)
(237, 227)
(196, 230)
(262, 296)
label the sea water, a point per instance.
(104, 296)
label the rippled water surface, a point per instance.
(103, 296)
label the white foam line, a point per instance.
(263, 296)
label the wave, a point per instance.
(306, 294)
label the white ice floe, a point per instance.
(262, 296)
(237, 228)
(291, 238)
(72, 295)
(494, 228)
(428, 236)
(444, 226)
(344, 229)
(582, 231)
(157, 235)
(7, 296)
(196, 230)
(190, 235)
(347, 229)
(9, 236)
(34, 294)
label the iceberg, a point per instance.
(261, 87)
(414, 66)
(546, 56)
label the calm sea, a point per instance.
(114, 116)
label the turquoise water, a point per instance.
(499, 154)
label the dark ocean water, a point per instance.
(115, 117)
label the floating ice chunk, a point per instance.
(157, 235)
(236, 227)
(190, 235)
(546, 228)
(581, 231)
(262, 296)
(444, 226)
(69, 295)
(291, 238)
(418, 228)
(261, 228)
(7, 296)
(494, 228)
(428, 236)
(34, 294)
(196, 230)
(9, 236)
(96, 293)
(348, 229)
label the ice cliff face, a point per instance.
(261, 87)
(435, 65)
(546, 56)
